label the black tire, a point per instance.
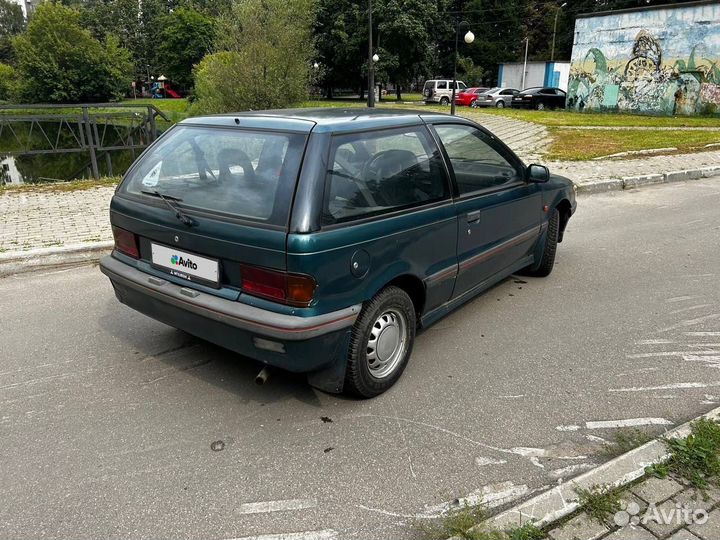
(541, 106)
(500, 104)
(547, 261)
(444, 101)
(359, 379)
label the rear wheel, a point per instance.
(444, 101)
(543, 267)
(500, 104)
(541, 106)
(381, 343)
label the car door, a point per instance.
(507, 95)
(549, 98)
(499, 214)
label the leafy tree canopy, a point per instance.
(59, 61)
(265, 59)
(186, 36)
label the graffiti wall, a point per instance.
(660, 61)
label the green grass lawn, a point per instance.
(570, 118)
(582, 144)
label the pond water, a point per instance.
(37, 168)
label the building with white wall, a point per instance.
(555, 74)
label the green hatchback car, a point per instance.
(319, 241)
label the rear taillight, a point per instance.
(126, 242)
(291, 289)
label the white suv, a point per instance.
(440, 90)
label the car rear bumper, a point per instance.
(483, 103)
(300, 344)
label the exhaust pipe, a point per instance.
(262, 377)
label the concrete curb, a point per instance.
(16, 262)
(630, 182)
(561, 500)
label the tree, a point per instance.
(58, 61)
(264, 59)
(7, 82)
(406, 34)
(186, 37)
(12, 23)
(341, 38)
(136, 24)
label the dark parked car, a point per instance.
(318, 241)
(540, 99)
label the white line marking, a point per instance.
(679, 299)
(559, 473)
(691, 322)
(655, 342)
(567, 428)
(691, 308)
(697, 358)
(603, 424)
(597, 439)
(276, 506)
(703, 345)
(489, 496)
(665, 387)
(483, 461)
(701, 334)
(615, 423)
(670, 353)
(325, 534)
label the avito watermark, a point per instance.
(680, 514)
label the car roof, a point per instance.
(322, 119)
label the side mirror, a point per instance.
(538, 174)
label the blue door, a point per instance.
(499, 214)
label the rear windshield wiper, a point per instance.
(184, 218)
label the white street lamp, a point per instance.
(375, 57)
(469, 37)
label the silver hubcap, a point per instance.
(387, 343)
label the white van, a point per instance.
(440, 90)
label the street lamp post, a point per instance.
(469, 38)
(552, 50)
(527, 41)
(371, 67)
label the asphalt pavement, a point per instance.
(113, 425)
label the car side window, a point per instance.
(476, 164)
(378, 172)
(442, 85)
(506, 93)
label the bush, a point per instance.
(7, 82)
(58, 61)
(264, 59)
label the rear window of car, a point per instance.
(243, 174)
(374, 173)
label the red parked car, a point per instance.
(467, 96)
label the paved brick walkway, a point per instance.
(526, 139)
(45, 218)
(652, 510)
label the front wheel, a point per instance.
(381, 343)
(547, 260)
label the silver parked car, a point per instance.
(495, 97)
